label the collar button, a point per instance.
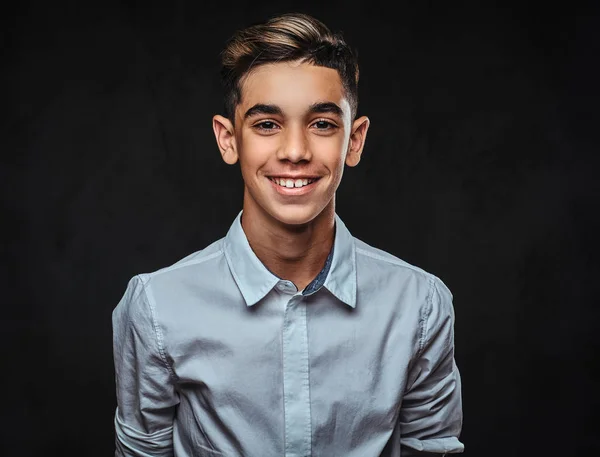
(286, 286)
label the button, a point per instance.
(286, 286)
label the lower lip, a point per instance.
(293, 191)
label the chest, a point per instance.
(355, 359)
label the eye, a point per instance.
(266, 125)
(322, 124)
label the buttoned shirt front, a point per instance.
(217, 356)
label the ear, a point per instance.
(225, 136)
(358, 135)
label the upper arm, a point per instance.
(430, 417)
(145, 384)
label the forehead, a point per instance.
(293, 86)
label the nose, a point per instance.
(295, 145)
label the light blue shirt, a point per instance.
(217, 356)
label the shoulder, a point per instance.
(169, 281)
(418, 289)
(149, 293)
(388, 263)
(196, 262)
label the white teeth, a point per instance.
(290, 183)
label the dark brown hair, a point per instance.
(288, 37)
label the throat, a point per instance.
(295, 253)
(292, 261)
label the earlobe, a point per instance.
(357, 140)
(225, 136)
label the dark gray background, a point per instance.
(480, 167)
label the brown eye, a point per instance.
(323, 125)
(267, 125)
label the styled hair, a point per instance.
(285, 38)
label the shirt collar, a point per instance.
(254, 279)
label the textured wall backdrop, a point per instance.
(480, 167)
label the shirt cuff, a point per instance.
(449, 445)
(134, 443)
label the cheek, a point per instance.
(254, 151)
(331, 151)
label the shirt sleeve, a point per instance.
(146, 395)
(431, 412)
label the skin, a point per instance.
(292, 236)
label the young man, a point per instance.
(287, 337)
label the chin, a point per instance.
(295, 214)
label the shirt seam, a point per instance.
(176, 266)
(398, 263)
(306, 380)
(424, 319)
(425, 316)
(157, 331)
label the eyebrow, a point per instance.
(326, 107)
(261, 108)
(322, 107)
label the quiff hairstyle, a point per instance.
(285, 38)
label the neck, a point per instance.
(293, 252)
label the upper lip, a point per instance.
(284, 176)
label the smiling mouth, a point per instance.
(293, 183)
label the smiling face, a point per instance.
(293, 125)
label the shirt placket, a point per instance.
(296, 386)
